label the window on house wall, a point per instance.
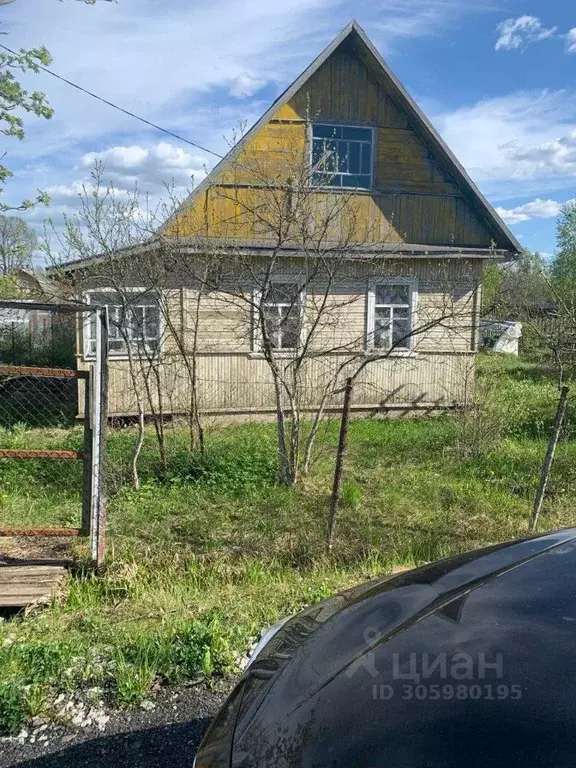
(282, 307)
(390, 315)
(133, 319)
(342, 156)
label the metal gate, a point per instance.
(40, 390)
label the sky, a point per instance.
(496, 77)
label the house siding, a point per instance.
(236, 384)
(233, 378)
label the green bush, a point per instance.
(133, 682)
(13, 710)
(34, 662)
(199, 648)
(192, 649)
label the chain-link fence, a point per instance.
(50, 461)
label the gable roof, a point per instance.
(354, 32)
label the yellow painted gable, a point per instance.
(414, 199)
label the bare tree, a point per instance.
(277, 266)
(101, 238)
(287, 292)
(17, 244)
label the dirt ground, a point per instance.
(34, 548)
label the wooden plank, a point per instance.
(36, 578)
(15, 601)
(27, 594)
(45, 373)
(4, 532)
(24, 585)
(44, 586)
(26, 571)
(10, 453)
(30, 569)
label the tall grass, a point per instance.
(206, 553)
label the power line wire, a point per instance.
(120, 109)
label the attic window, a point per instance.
(342, 156)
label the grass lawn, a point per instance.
(204, 555)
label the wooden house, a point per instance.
(384, 227)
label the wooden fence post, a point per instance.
(547, 466)
(342, 446)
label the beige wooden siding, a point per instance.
(239, 383)
(233, 377)
(444, 310)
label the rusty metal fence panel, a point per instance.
(51, 465)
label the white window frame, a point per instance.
(372, 159)
(408, 348)
(257, 344)
(86, 354)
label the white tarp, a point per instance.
(503, 336)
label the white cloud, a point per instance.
(571, 41)
(536, 209)
(557, 156)
(521, 32)
(128, 168)
(165, 66)
(63, 194)
(149, 167)
(510, 144)
(245, 84)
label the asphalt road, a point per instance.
(169, 735)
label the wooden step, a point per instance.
(24, 585)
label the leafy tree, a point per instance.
(506, 285)
(17, 244)
(9, 288)
(532, 263)
(14, 99)
(491, 288)
(564, 264)
(528, 281)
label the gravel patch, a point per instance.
(164, 731)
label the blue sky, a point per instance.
(496, 77)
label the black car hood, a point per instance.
(365, 678)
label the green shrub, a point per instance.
(35, 697)
(133, 682)
(13, 710)
(199, 648)
(40, 662)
